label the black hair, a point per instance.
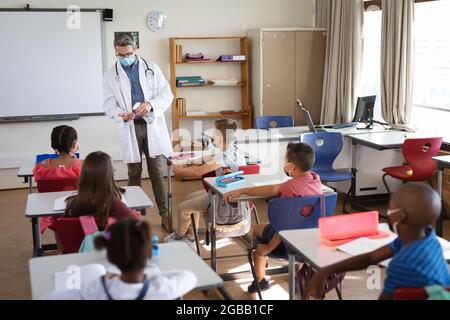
(128, 244)
(301, 155)
(62, 138)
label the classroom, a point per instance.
(242, 150)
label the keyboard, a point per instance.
(342, 126)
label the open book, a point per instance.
(75, 276)
(365, 245)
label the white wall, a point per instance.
(19, 142)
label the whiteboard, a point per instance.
(47, 68)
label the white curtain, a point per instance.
(397, 61)
(343, 20)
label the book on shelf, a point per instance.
(179, 53)
(190, 81)
(223, 83)
(181, 106)
(195, 58)
(232, 58)
(196, 113)
(231, 112)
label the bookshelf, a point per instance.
(242, 88)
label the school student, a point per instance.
(417, 258)
(128, 245)
(97, 194)
(64, 140)
(299, 160)
(222, 154)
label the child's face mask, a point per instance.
(393, 224)
(288, 168)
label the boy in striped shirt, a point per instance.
(417, 258)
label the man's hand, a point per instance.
(316, 287)
(127, 116)
(227, 197)
(144, 109)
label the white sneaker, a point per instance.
(175, 237)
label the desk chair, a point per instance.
(327, 146)
(249, 169)
(420, 165)
(56, 185)
(287, 214)
(411, 294)
(267, 122)
(45, 156)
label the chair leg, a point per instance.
(347, 197)
(339, 291)
(194, 227)
(252, 267)
(255, 212)
(385, 183)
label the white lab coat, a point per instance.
(117, 99)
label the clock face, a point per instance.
(156, 20)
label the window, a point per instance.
(370, 73)
(431, 95)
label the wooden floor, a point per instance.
(16, 243)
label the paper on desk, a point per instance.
(270, 182)
(60, 203)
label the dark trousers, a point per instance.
(155, 168)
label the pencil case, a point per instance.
(231, 180)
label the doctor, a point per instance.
(136, 95)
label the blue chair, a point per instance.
(45, 156)
(286, 214)
(266, 122)
(327, 146)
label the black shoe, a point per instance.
(263, 285)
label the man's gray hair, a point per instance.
(124, 40)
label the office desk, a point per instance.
(41, 205)
(171, 256)
(381, 142)
(251, 181)
(26, 172)
(306, 243)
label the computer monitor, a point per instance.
(364, 109)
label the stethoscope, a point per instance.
(147, 69)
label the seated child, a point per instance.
(98, 194)
(223, 154)
(417, 258)
(299, 159)
(128, 245)
(64, 141)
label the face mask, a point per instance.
(393, 227)
(126, 62)
(288, 173)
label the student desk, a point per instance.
(251, 181)
(380, 142)
(307, 245)
(26, 172)
(171, 256)
(41, 205)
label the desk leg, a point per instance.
(440, 221)
(213, 233)
(37, 249)
(291, 276)
(354, 203)
(29, 180)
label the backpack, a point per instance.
(90, 229)
(232, 219)
(306, 273)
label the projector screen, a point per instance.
(47, 68)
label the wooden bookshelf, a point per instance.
(243, 86)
